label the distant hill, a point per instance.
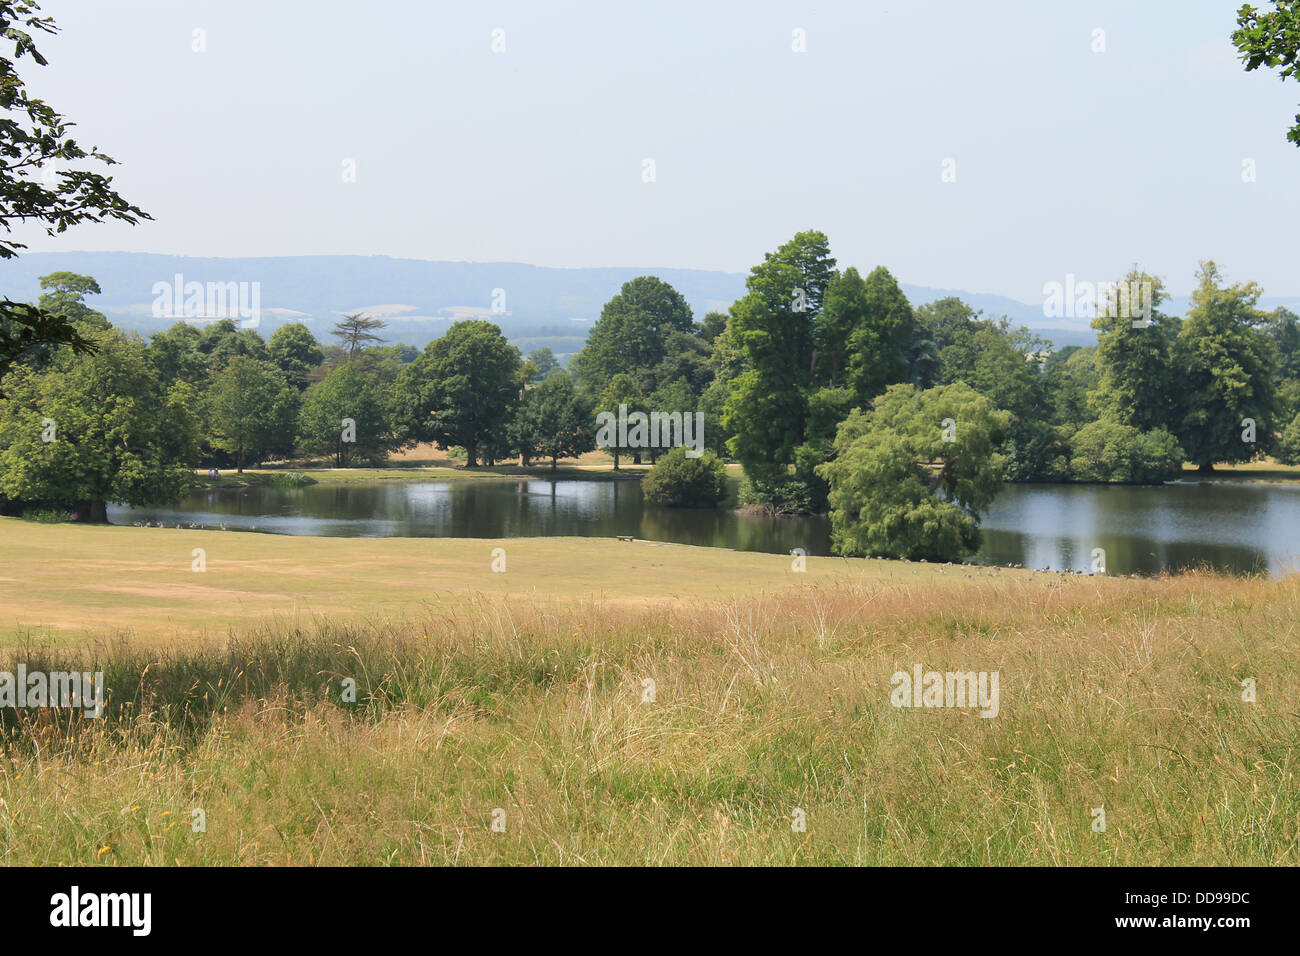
(419, 299)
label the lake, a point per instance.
(1231, 526)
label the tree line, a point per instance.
(775, 378)
(808, 343)
(128, 420)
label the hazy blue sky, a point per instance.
(1067, 160)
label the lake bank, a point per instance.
(598, 467)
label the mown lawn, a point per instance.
(73, 581)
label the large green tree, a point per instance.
(631, 335)
(174, 353)
(726, 363)
(773, 325)
(1136, 377)
(843, 311)
(96, 427)
(712, 325)
(462, 391)
(986, 354)
(1284, 331)
(672, 398)
(343, 416)
(878, 341)
(64, 293)
(1001, 363)
(913, 473)
(295, 352)
(555, 420)
(544, 363)
(63, 300)
(223, 340)
(1069, 376)
(1288, 445)
(621, 391)
(1224, 364)
(686, 359)
(251, 410)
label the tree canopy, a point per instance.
(343, 416)
(556, 420)
(461, 391)
(1271, 39)
(93, 428)
(44, 179)
(1225, 369)
(356, 330)
(912, 474)
(251, 410)
(631, 335)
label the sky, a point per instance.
(520, 132)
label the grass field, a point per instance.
(67, 583)
(632, 704)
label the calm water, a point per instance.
(1231, 526)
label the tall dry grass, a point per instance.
(1117, 694)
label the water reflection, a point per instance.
(1237, 527)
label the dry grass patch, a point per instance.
(1117, 694)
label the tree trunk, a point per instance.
(1207, 468)
(471, 455)
(616, 461)
(94, 512)
(554, 460)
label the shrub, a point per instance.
(1035, 451)
(778, 494)
(288, 479)
(681, 482)
(1110, 452)
(49, 515)
(1288, 446)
